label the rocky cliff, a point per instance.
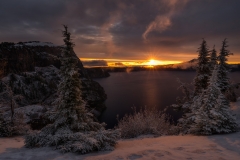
(31, 72)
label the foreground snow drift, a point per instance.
(166, 147)
(226, 146)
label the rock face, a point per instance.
(31, 72)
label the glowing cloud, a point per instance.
(162, 22)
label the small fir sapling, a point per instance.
(187, 96)
(11, 124)
(184, 105)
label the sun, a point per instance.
(152, 62)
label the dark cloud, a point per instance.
(123, 28)
(95, 63)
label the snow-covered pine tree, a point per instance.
(73, 128)
(200, 83)
(203, 69)
(213, 58)
(223, 79)
(213, 114)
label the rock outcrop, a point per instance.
(31, 71)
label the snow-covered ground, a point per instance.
(36, 43)
(219, 147)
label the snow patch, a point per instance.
(35, 43)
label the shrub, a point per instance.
(146, 121)
(16, 127)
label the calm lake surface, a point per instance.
(144, 88)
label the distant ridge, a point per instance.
(192, 64)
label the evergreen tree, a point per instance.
(223, 79)
(73, 128)
(203, 69)
(213, 58)
(212, 114)
(200, 83)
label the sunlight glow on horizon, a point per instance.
(127, 62)
(153, 62)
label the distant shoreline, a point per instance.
(106, 70)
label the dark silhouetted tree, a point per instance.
(203, 69)
(73, 128)
(213, 58)
(223, 79)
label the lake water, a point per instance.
(145, 88)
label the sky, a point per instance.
(126, 31)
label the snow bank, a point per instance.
(166, 147)
(226, 146)
(7, 143)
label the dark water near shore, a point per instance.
(146, 88)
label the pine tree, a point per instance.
(212, 114)
(223, 79)
(200, 83)
(213, 58)
(73, 128)
(203, 69)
